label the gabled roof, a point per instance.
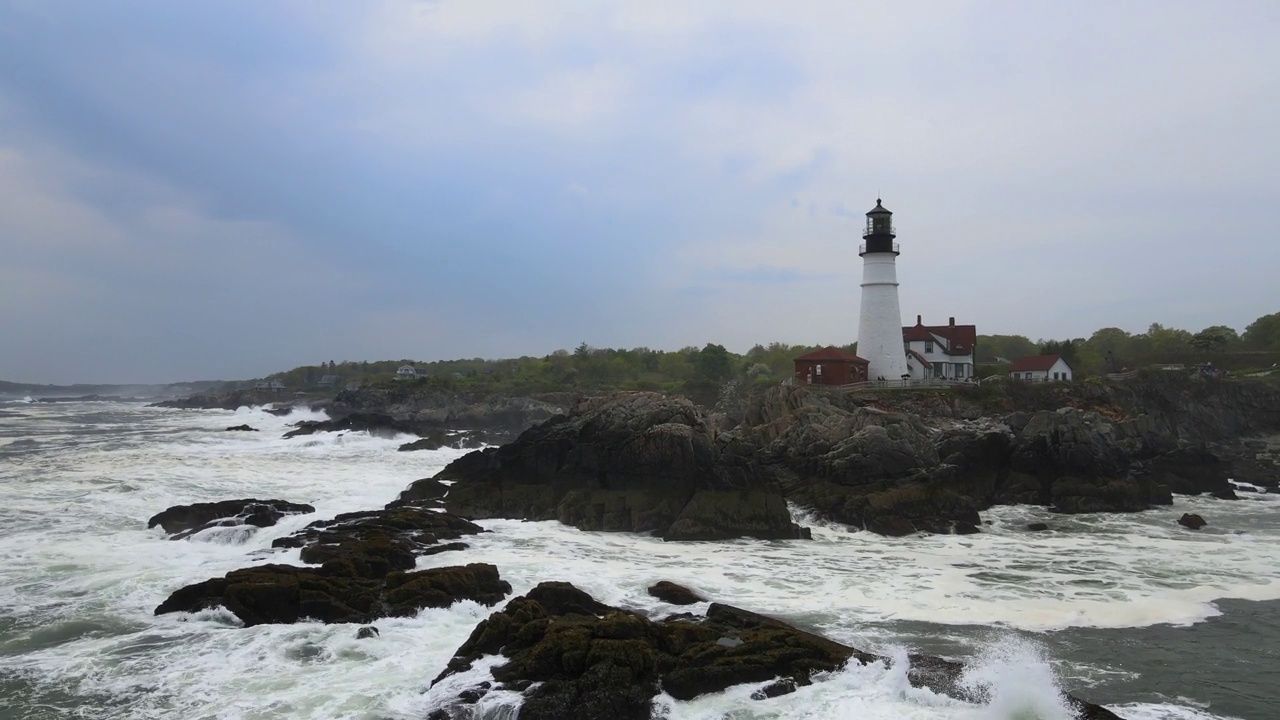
(916, 332)
(920, 359)
(832, 353)
(959, 339)
(1036, 363)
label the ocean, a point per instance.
(1132, 611)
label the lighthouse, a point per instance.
(880, 324)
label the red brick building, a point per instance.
(830, 366)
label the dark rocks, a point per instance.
(637, 462)
(189, 519)
(669, 592)
(427, 491)
(576, 659)
(1192, 521)
(372, 423)
(287, 594)
(430, 409)
(1225, 494)
(375, 542)
(772, 690)
(462, 439)
(242, 428)
(1037, 527)
(368, 631)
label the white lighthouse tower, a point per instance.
(880, 324)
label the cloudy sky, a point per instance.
(224, 189)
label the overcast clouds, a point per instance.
(225, 189)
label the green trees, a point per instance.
(1004, 346)
(702, 372)
(1215, 338)
(1263, 333)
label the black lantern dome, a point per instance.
(880, 232)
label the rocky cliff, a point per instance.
(638, 462)
(892, 463)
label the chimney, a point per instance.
(953, 322)
(919, 321)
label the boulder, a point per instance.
(242, 428)
(573, 658)
(669, 592)
(1037, 527)
(374, 543)
(288, 594)
(368, 631)
(634, 462)
(1192, 521)
(186, 520)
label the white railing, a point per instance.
(903, 384)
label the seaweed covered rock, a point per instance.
(375, 542)
(573, 658)
(636, 462)
(289, 594)
(185, 520)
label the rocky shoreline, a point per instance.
(569, 655)
(644, 462)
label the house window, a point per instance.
(819, 371)
(928, 346)
(959, 371)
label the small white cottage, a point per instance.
(1040, 368)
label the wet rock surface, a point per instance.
(462, 439)
(182, 521)
(288, 594)
(372, 423)
(375, 542)
(670, 592)
(574, 658)
(242, 428)
(1192, 521)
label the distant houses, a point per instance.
(940, 351)
(406, 372)
(328, 381)
(273, 386)
(1040, 368)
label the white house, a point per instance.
(940, 351)
(406, 372)
(1040, 368)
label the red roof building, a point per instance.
(1040, 368)
(830, 366)
(940, 351)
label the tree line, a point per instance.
(701, 373)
